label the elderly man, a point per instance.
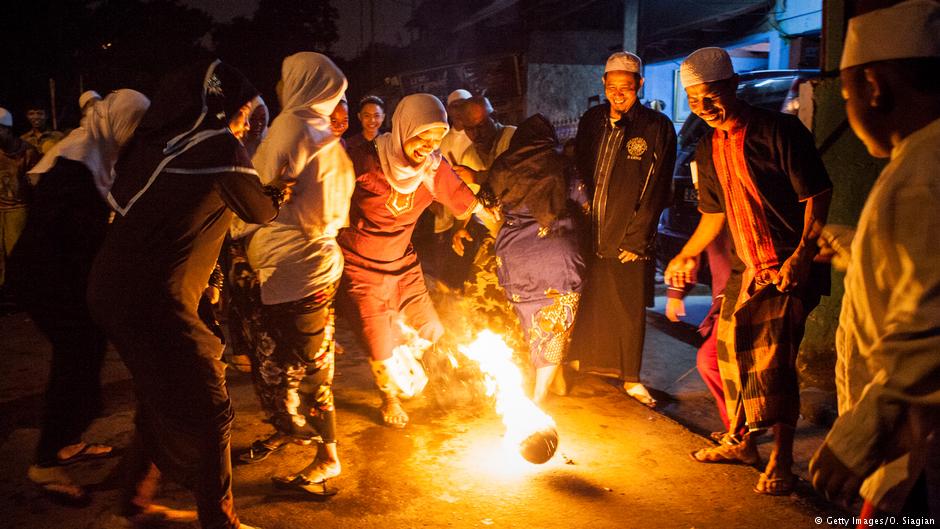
(759, 172)
(625, 153)
(887, 433)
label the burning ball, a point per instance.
(540, 446)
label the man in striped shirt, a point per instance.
(625, 153)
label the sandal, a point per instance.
(775, 486)
(393, 414)
(318, 489)
(261, 449)
(640, 393)
(57, 485)
(727, 453)
(88, 452)
(240, 363)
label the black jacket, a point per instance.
(626, 207)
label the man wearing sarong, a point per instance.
(625, 154)
(889, 329)
(759, 172)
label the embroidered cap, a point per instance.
(6, 119)
(903, 31)
(706, 65)
(623, 61)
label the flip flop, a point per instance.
(725, 454)
(318, 489)
(259, 451)
(642, 396)
(58, 486)
(89, 452)
(775, 486)
(240, 363)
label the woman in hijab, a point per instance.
(49, 268)
(242, 297)
(399, 175)
(177, 184)
(299, 265)
(541, 264)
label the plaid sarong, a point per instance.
(758, 342)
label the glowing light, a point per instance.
(521, 417)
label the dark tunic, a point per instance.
(49, 270)
(759, 333)
(628, 170)
(144, 290)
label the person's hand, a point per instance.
(680, 271)
(794, 271)
(288, 193)
(468, 175)
(490, 216)
(835, 246)
(213, 294)
(626, 256)
(832, 478)
(457, 241)
(675, 308)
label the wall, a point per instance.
(853, 172)
(564, 69)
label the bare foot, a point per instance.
(321, 469)
(392, 412)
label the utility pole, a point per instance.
(631, 16)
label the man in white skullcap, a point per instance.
(16, 157)
(87, 101)
(456, 141)
(440, 261)
(759, 174)
(885, 439)
(625, 154)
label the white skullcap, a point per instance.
(6, 118)
(706, 65)
(457, 95)
(907, 30)
(86, 97)
(623, 61)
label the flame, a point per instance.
(503, 379)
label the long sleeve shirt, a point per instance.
(888, 340)
(628, 167)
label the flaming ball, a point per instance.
(539, 446)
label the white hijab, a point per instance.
(415, 114)
(312, 87)
(301, 148)
(108, 125)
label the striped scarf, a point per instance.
(744, 208)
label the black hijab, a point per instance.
(191, 105)
(531, 172)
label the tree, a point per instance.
(278, 28)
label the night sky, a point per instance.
(390, 16)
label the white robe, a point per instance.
(888, 340)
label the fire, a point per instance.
(521, 417)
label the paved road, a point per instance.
(619, 464)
